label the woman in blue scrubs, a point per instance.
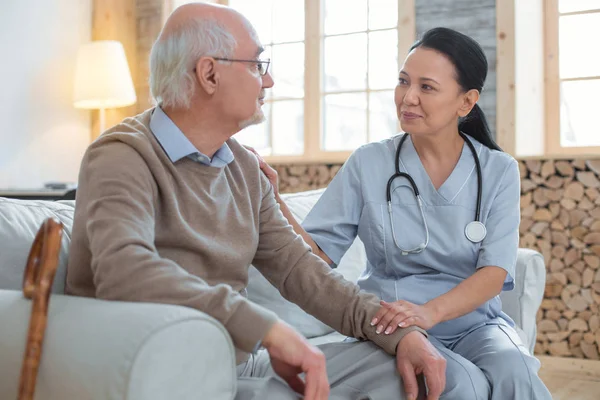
(428, 268)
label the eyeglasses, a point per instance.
(263, 65)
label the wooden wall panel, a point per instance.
(116, 20)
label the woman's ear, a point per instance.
(469, 100)
(207, 75)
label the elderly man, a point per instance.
(171, 209)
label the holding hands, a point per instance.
(403, 314)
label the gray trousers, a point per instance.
(356, 371)
(487, 363)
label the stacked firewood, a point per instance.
(298, 178)
(560, 217)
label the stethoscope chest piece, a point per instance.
(475, 231)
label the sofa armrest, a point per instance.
(96, 349)
(523, 302)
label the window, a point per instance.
(280, 27)
(360, 57)
(335, 67)
(572, 76)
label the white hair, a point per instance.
(173, 57)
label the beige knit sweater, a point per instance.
(147, 229)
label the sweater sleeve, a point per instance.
(117, 193)
(305, 279)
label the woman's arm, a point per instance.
(297, 227)
(274, 179)
(483, 285)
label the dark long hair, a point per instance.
(471, 69)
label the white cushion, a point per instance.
(96, 350)
(262, 292)
(20, 221)
(522, 303)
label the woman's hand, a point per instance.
(269, 171)
(403, 314)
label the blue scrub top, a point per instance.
(355, 204)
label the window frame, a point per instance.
(313, 75)
(553, 146)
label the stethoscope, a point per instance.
(475, 230)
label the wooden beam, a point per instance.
(552, 89)
(312, 79)
(407, 28)
(116, 20)
(167, 8)
(505, 76)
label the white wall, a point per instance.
(42, 137)
(529, 78)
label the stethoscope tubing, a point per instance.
(398, 174)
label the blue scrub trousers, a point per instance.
(493, 361)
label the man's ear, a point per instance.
(207, 75)
(469, 100)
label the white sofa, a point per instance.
(98, 349)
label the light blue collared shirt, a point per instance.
(178, 146)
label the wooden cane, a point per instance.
(37, 283)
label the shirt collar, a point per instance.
(178, 146)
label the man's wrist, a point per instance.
(414, 332)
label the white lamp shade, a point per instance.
(102, 78)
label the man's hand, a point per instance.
(267, 170)
(403, 314)
(292, 355)
(416, 355)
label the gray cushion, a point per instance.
(20, 221)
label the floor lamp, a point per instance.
(102, 78)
